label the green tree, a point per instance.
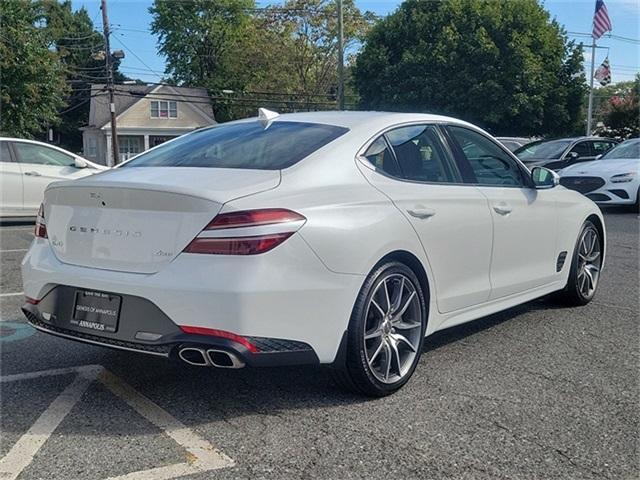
(620, 113)
(603, 95)
(32, 80)
(282, 57)
(200, 39)
(309, 42)
(80, 49)
(503, 65)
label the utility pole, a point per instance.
(590, 108)
(112, 105)
(340, 57)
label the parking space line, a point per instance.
(201, 455)
(205, 456)
(51, 373)
(12, 250)
(13, 294)
(161, 473)
(22, 453)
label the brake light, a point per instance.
(212, 332)
(253, 218)
(41, 228)
(225, 239)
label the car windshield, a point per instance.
(628, 149)
(549, 149)
(246, 145)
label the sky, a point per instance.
(130, 20)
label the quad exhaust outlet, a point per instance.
(211, 357)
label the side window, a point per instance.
(380, 157)
(421, 156)
(601, 147)
(582, 149)
(5, 154)
(40, 155)
(490, 164)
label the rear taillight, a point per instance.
(41, 228)
(247, 232)
(253, 218)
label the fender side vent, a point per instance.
(560, 262)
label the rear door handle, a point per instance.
(422, 213)
(502, 208)
(32, 174)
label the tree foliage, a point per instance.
(32, 82)
(620, 114)
(72, 35)
(503, 65)
(282, 56)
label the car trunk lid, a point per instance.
(139, 219)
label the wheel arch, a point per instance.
(414, 263)
(599, 224)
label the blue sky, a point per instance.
(130, 20)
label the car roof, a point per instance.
(356, 119)
(35, 142)
(575, 139)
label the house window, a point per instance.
(161, 109)
(92, 147)
(129, 146)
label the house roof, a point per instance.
(128, 95)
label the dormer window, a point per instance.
(161, 109)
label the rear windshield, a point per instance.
(242, 145)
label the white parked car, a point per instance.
(27, 167)
(339, 238)
(612, 179)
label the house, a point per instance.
(147, 115)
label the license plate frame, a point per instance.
(96, 311)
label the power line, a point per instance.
(609, 35)
(136, 56)
(246, 101)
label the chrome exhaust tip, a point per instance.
(223, 359)
(194, 356)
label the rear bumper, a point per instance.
(286, 293)
(271, 352)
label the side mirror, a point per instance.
(544, 178)
(80, 163)
(598, 157)
(573, 156)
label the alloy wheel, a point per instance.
(589, 262)
(393, 328)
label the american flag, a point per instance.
(603, 73)
(601, 20)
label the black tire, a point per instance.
(636, 207)
(355, 374)
(573, 295)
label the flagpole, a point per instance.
(590, 109)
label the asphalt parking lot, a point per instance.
(539, 391)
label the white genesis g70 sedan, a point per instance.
(338, 238)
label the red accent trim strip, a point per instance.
(32, 301)
(212, 332)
